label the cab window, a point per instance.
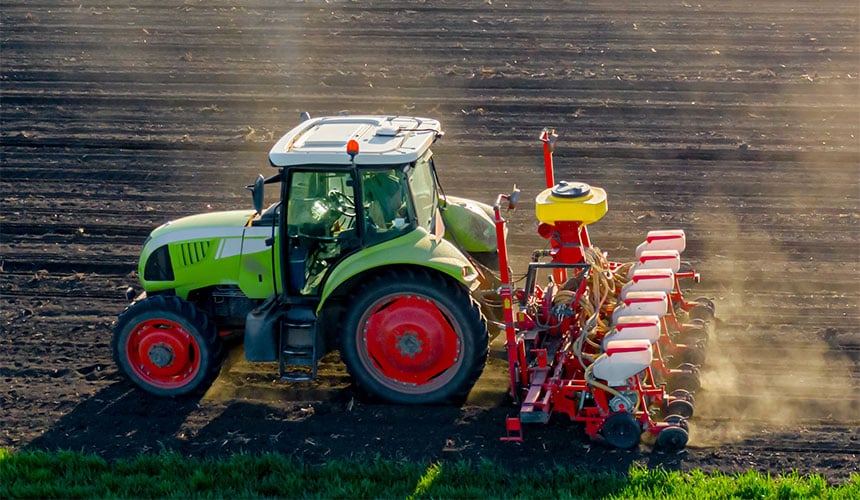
(320, 226)
(423, 185)
(386, 204)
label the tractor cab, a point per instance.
(350, 183)
(360, 204)
(333, 213)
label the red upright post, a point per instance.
(506, 292)
(549, 138)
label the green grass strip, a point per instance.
(65, 474)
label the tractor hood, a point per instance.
(232, 221)
(195, 251)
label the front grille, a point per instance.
(193, 252)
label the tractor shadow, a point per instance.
(119, 421)
(320, 432)
(319, 424)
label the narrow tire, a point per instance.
(621, 430)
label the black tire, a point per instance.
(621, 430)
(678, 421)
(701, 312)
(685, 379)
(680, 407)
(694, 355)
(707, 302)
(683, 394)
(166, 346)
(413, 336)
(694, 335)
(672, 439)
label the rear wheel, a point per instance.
(166, 346)
(413, 337)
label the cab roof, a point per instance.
(381, 140)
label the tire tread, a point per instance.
(474, 318)
(193, 315)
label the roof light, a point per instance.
(352, 148)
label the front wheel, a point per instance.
(414, 337)
(166, 346)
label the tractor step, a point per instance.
(298, 351)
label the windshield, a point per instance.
(423, 186)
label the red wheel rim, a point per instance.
(163, 353)
(409, 343)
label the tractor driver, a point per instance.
(386, 204)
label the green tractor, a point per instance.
(363, 253)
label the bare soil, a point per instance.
(735, 120)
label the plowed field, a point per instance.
(737, 121)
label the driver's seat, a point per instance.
(385, 200)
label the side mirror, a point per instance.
(256, 190)
(513, 198)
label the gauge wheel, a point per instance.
(697, 333)
(677, 421)
(684, 379)
(166, 346)
(680, 407)
(621, 430)
(694, 355)
(683, 394)
(413, 336)
(704, 309)
(672, 439)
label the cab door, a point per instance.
(321, 226)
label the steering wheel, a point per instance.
(341, 203)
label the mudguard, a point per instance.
(417, 248)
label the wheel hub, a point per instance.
(161, 355)
(409, 344)
(409, 340)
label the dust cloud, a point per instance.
(770, 366)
